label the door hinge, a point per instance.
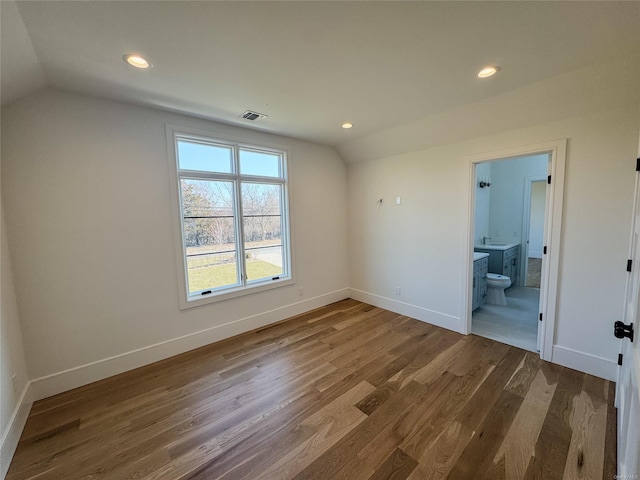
(629, 263)
(619, 359)
(620, 330)
(549, 179)
(637, 164)
(540, 317)
(544, 250)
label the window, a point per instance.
(233, 214)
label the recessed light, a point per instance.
(136, 60)
(488, 71)
(347, 125)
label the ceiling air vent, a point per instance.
(253, 116)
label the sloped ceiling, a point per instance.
(310, 66)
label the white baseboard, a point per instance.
(535, 254)
(76, 377)
(585, 362)
(11, 435)
(419, 313)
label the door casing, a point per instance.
(557, 150)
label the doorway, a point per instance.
(505, 216)
(509, 216)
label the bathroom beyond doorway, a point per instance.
(509, 227)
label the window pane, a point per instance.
(264, 262)
(206, 198)
(203, 156)
(259, 163)
(209, 234)
(262, 226)
(207, 272)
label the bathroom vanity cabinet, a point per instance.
(480, 270)
(510, 263)
(503, 259)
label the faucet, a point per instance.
(484, 240)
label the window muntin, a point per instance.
(234, 218)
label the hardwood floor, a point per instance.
(347, 391)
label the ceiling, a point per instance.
(310, 66)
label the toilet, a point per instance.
(495, 288)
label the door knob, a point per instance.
(620, 330)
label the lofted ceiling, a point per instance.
(308, 65)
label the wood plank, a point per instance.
(397, 466)
(553, 442)
(344, 451)
(437, 461)
(479, 405)
(395, 434)
(588, 421)
(478, 455)
(519, 444)
(432, 419)
(526, 372)
(440, 363)
(610, 444)
(376, 398)
(331, 422)
(534, 469)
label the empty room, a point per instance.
(319, 240)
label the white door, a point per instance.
(627, 398)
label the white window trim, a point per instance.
(185, 300)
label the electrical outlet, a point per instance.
(398, 291)
(13, 381)
(300, 291)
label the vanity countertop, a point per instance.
(502, 246)
(479, 255)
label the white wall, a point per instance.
(420, 245)
(85, 185)
(483, 203)
(14, 399)
(507, 195)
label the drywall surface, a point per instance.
(13, 403)
(421, 245)
(86, 190)
(483, 203)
